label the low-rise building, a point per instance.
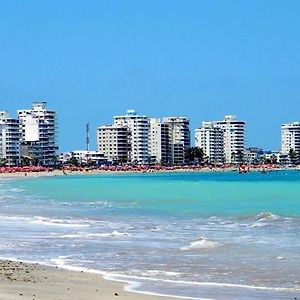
(83, 157)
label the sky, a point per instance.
(91, 60)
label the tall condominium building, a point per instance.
(113, 142)
(39, 133)
(222, 141)
(138, 136)
(9, 139)
(210, 138)
(290, 138)
(234, 138)
(178, 138)
(159, 145)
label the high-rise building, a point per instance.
(113, 142)
(138, 141)
(178, 138)
(9, 139)
(39, 133)
(159, 145)
(234, 138)
(222, 141)
(210, 138)
(290, 140)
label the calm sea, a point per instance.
(198, 235)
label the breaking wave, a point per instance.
(201, 243)
(87, 235)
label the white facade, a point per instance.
(84, 156)
(113, 142)
(39, 133)
(290, 138)
(210, 138)
(159, 142)
(138, 136)
(155, 140)
(9, 139)
(178, 138)
(234, 138)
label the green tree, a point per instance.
(3, 162)
(74, 161)
(55, 160)
(293, 156)
(25, 161)
(194, 154)
(239, 156)
(274, 159)
(199, 154)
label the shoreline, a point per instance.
(33, 281)
(116, 172)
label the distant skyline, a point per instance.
(91, 60)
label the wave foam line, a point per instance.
(212, 284)
(133, 281)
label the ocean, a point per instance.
(197, 235)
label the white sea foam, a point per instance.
(201, 243)
(87, 235)
(281, 257)
(258, 224)
(266, 216)
(160, 272)
(57, 222)
(138, 279)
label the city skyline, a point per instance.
(81, 139)
(200, 59)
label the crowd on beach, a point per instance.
(140, 168)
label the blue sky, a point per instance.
(91, 60)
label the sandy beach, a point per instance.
(36, 282)
(66, 172)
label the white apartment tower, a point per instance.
(9, 139)
(290, 138)
(113, 142)
(210, 138)
(234, 138)
(138, 138)
(39, 133)
(178, 138)
(159, 146)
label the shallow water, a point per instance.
(202, 235)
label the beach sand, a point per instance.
(25, 281)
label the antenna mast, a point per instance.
(87, 136)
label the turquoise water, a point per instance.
(202, 235)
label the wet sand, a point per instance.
(25, 281)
